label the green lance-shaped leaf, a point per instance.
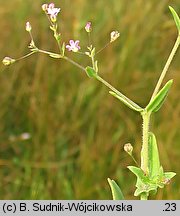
(127, 102)
(154, 163)
(54, 55)
(169, 175)
(138, 172)
(90, 72)
(159, 99)
(115, 189)
(176, 18)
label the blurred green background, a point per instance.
(77, 130)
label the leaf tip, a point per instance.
(176, 17)
(170, 8)
(115, 190)
(112, 93)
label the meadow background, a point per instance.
(77, 129)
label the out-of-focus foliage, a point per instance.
(77, 129)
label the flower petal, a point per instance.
(71, 42)
(76, 43)
(51, 5)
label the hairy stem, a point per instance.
(145, 146)
(166, 67)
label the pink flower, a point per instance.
(88, 27)
(74, 46)
(52, 11)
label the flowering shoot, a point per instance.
(51, 11)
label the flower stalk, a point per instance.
(166, 67)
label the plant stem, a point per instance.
(115, 90)
(25, 56)
(145, 146)
(144, 196)
(134, 159)
(146, 116)
(74, 63)
(166, 67)
(100, 79)
(49, 53)
(103, 48)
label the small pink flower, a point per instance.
(74, 46)
(88, 27)
(52, 11)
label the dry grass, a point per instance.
(78, 130)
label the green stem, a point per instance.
(115, 90)
(103, 48)
(93, 62)
(25, 56)
(144, 196)
(134, 159)
(166, 67)
(145, 146)
(100, 79)
(49, 53)
(74, 63)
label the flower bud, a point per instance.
(7, 61)
(114, 36)
(128, 148)
(28, 27)
(88, 27)
(44, 7)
